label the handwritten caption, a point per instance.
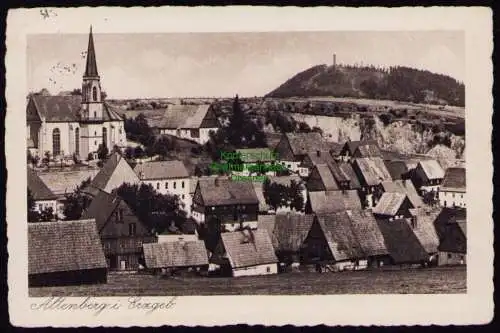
(91, 304)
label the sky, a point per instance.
(226, 64)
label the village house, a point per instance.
(332, 244)
(369, 149)
(287, 232)
(122, 233)
(115, 172)
(253, 157)
(293, 148)
(317, 157)
(323, 202)
(401, 186)
(428, 176)
(180, 255)
(71, 125)
(451, 226)
(42, 195)
(65, 253)
(452, 191)
(246, 253)
(403, 245)
(332, 176)
(397, 169)
(233, 204)
(192, 122)
(393, 205)
(422, 223)
(167, 177)
(371, 171)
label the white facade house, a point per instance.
(43, 197)
(192, 122)
(64, 126)
(453, 190)
(167, 177)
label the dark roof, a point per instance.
(175, 254)
(304, 143)
(351, 146)
(266, 222)
(349, 172)
(389, 203)
(219, 191)
(396, 168)
(326, 177)
(37, 187)
(66, 108)
(340, 236)
(101, 208)
(405, 187)
(452, 231)
(334, 201)
(401, 241)
(372, 170)
(367, 232)
(91, 66)
(184, 116)
(161, 170)
(367, 150)
(454, 180)
(64, 246)
(313, 158)
(248, 248)
(290, 231)
(424, 228)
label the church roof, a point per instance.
(64, 108)
(91, 66)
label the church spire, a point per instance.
(91, 67)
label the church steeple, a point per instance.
(91, 67)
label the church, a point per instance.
(72, 125)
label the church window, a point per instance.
(56, 142)
(105, 136)
(95, 114)
(94, 94)
(77, 141)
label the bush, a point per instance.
(386, 118)
(90, 157)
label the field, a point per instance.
(408, 281)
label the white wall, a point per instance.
(236, 225)
(450, 199)
(266, 269)
(166, 186)
(40, 205)
(176, 238)
(186, 134)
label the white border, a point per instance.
(475, 307)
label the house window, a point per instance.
(119, 216)
(268, 269)
(56, 142)
(158, 186)
(175, 185)
(182, 184)
(449, 255)
(131, 229)
(95, 143)
(95, 132)
(107, 246)
(453, 195)
(166, 184)
(461, 196)
(183, 196)
(120, 130)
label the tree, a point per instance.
(33, 215)
(155, 209)
(76, 92)
(295, 194)
(102, 152)
(76, 202)
(274, 194)
(129, 153)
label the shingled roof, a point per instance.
(175, 254)
(37, 187)
(424, 228)
(454, 180)
(61, 182)
(352, 146)
(101, 207)
(402, 243)
(248, 248)
(161, 170)
(372, 170)
(340, 236)
(289, 231)
(389, 203)
(367, 150)
(184, 116)
(65, 108)
(64, 246)
(452, 231)
(405, 187)
(304, 143)
(367, 232)
(219, 191)
(334, 201)
(432, 169)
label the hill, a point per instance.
(394, 83)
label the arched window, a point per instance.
(104, 136)
(77, 141)
(56, 142)
(94, 94)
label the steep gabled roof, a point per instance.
(367, 232)
(352, 146)
(367, 150)
(389, 203)
(64, 246)
(184, 116)
(432, 169)
(161, 170)
(248, 248)
(405, 187)
(290, 231)
(372, 170)
(349, 172)
(61, 182)
(326, 177)
(175, 254)
(340, 236)
(219, 191)
(91, 66)
(454, 180)
(334, 201)
(452, 231)
(101, 208)
(401, 241)
(304, 143)
(425, 229)
(37, 187)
